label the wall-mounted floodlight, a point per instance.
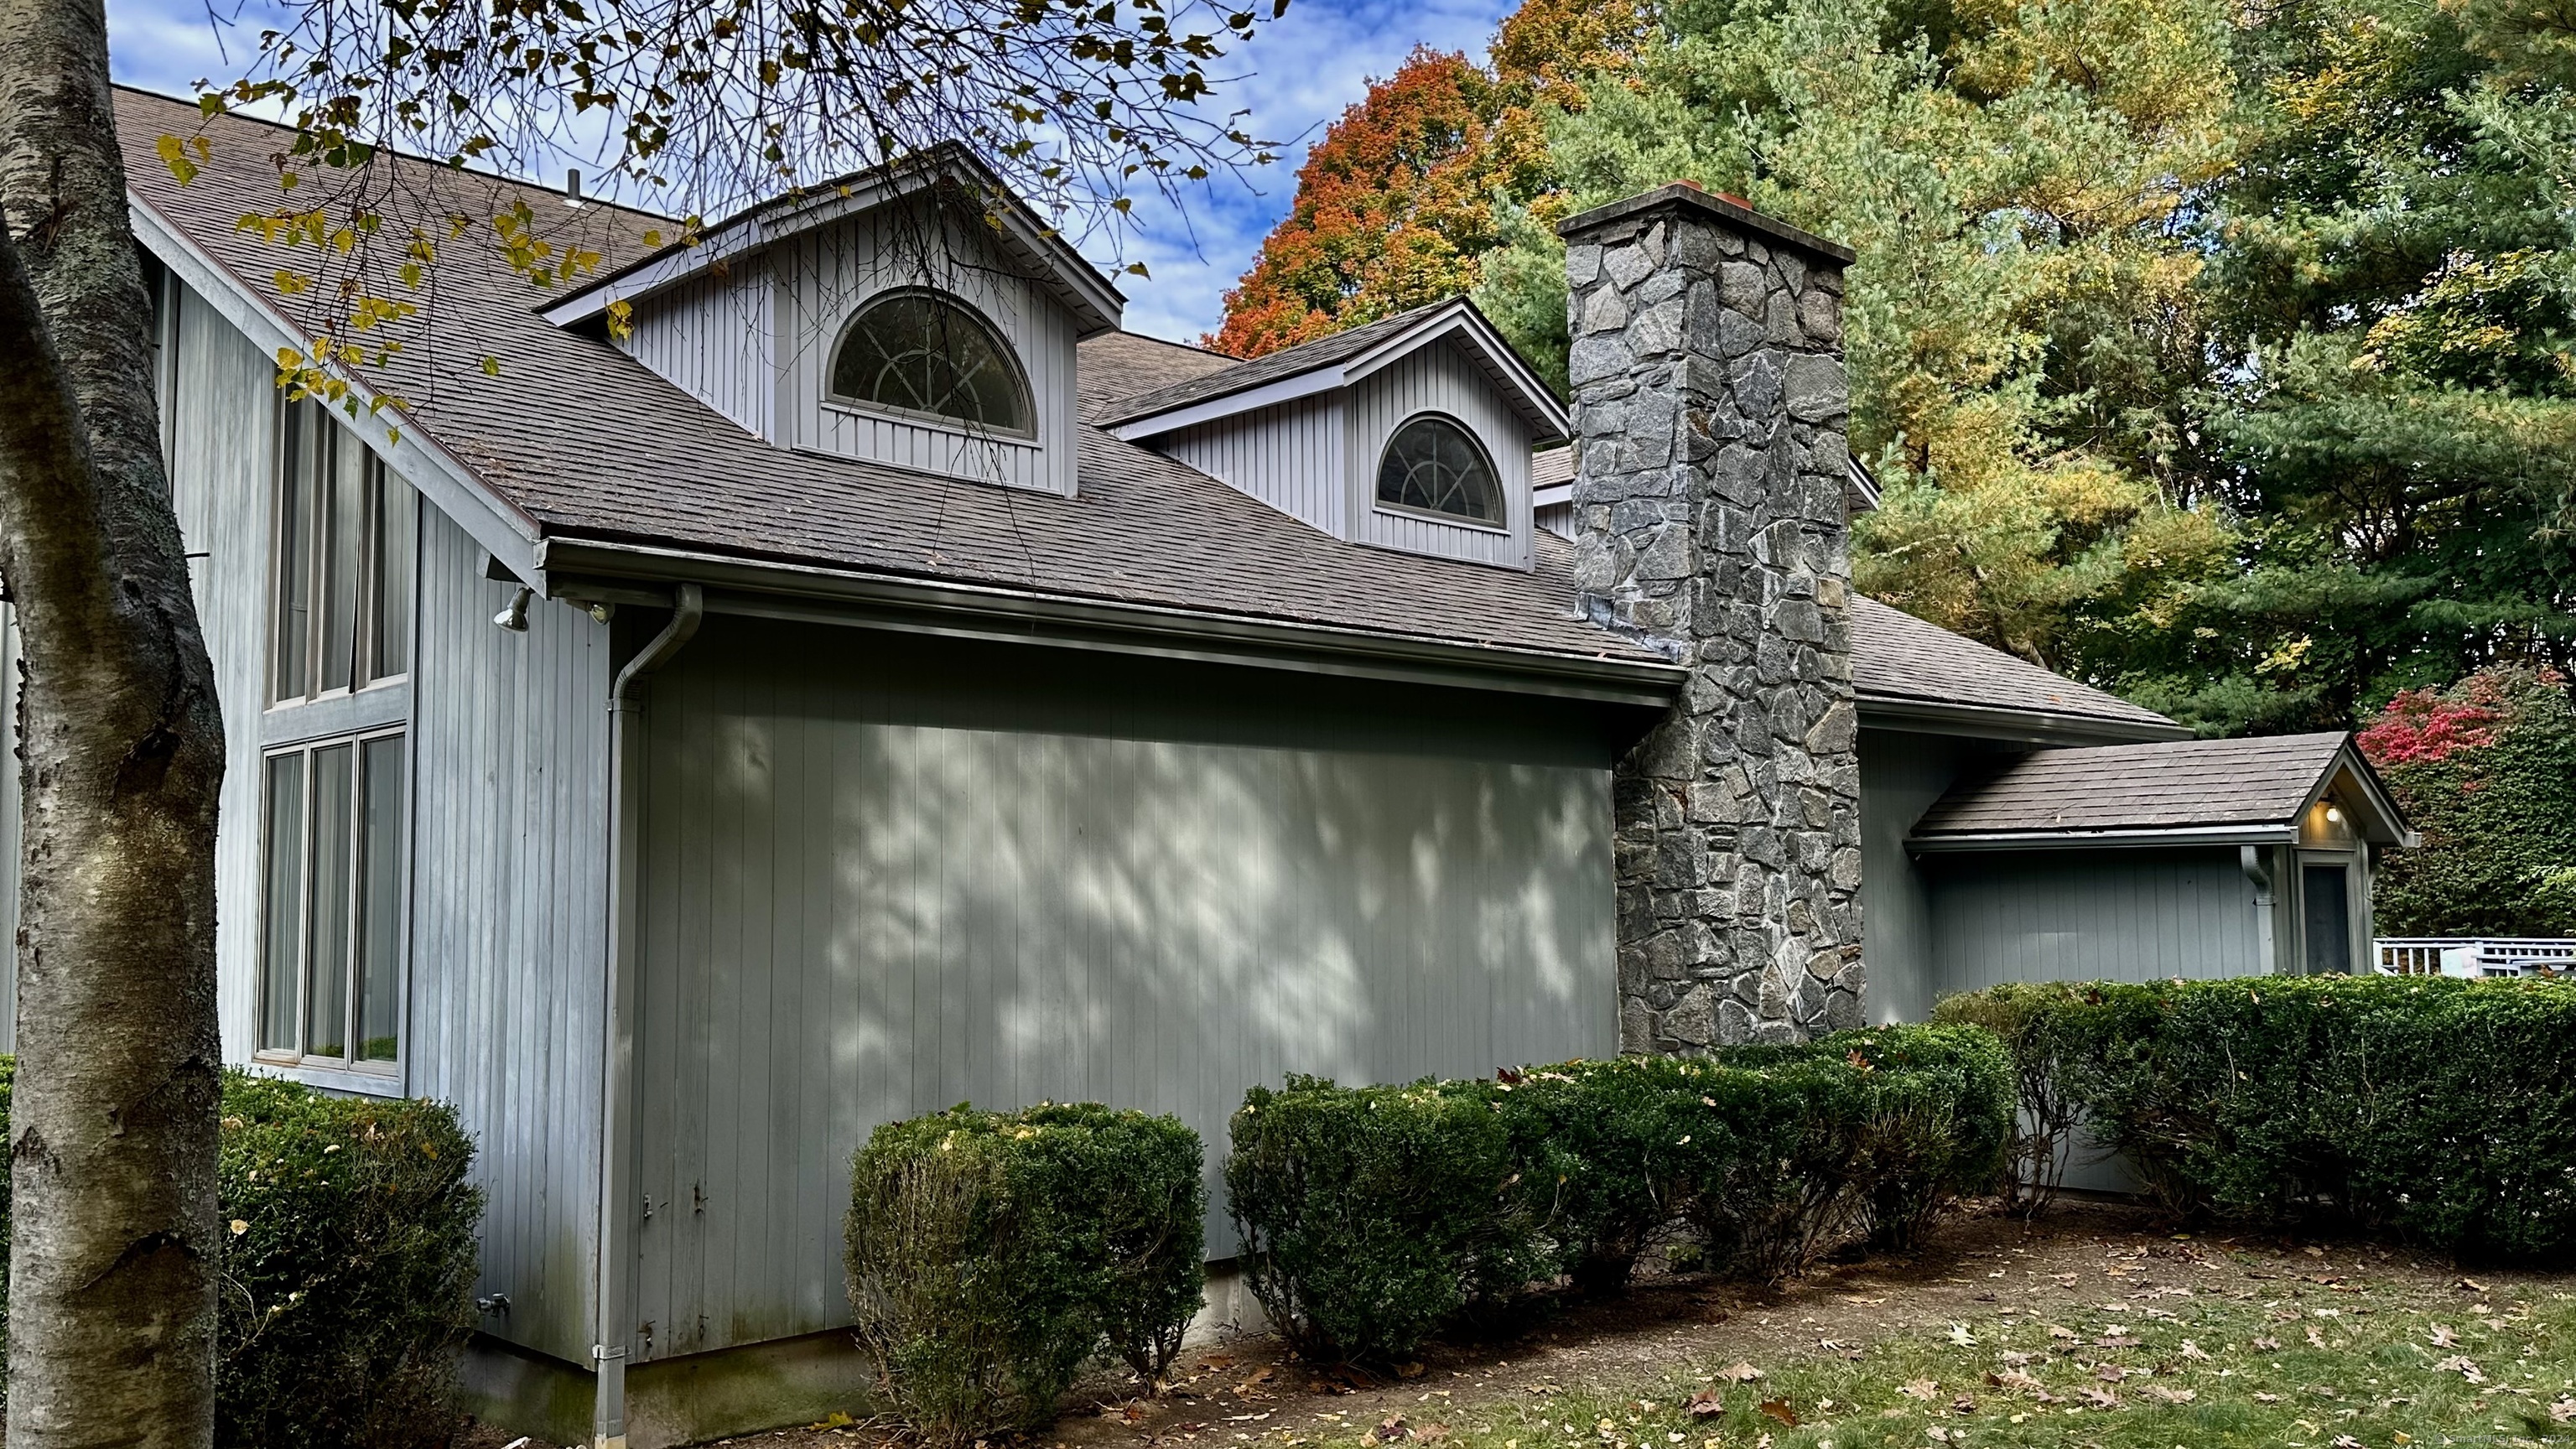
(515, 617)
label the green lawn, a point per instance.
(2307, 1365)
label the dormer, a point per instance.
(918, 315)
(1413, 432)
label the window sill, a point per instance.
(333, 1079)
(375, 707)
(1427, 515)
(935, 422)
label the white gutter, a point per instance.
(2180, 835)
(585, 571)
(2251, 859)
(613, 1324)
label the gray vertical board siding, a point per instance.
(508, 922)
(223, 472)
(1291, 455)
(712, 336)
(826, 276)
(1901, 773)
(1438, 379)
(885, 875)
(2100, 914)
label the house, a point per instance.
(875, 680)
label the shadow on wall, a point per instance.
(886, 877)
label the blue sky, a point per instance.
(1302, 71)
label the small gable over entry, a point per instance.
(2167, 858)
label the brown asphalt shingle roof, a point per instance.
(1902, 659)
(588, 443)
(2168, 784)
(584, 442)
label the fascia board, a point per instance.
(585, 570)
(1098, 304)
(1993, 722)
(1269, 394)
(1501, 363)
(503, 530)
(2390, 822)
(2254, 834)
(1530, 397)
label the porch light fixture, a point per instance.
(515, 617)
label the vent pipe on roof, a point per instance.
(572, 188)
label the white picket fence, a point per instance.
(2472, 956)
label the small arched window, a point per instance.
(919, 352)
(1436, 466)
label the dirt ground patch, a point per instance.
(1994, 1276)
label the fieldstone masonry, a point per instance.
(1709, 404)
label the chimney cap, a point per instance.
(1690, 196)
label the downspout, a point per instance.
(2260, 872)
(617, 1045)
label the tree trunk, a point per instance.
(111, 1304)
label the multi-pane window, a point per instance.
(345, 531)
(918, 352)
(331, 957)
(1433, 465)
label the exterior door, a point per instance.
(2325, 917)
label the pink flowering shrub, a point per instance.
(2486, 770)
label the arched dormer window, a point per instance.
(1434, 465)
(921, 352)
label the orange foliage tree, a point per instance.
(1395, 206)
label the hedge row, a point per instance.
(991, 1253)
(1372, 1215)
(2438, 1110)
(347, 1276)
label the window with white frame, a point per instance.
(345, 538)
(333, 892)
(1434, 465)
(924, 354)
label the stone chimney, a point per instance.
(1709, 404)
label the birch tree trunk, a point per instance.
(111, 1305)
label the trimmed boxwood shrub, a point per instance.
(1372, 1215)
(1933, 1118)
(348, 1268)
(349, 1272)
(990, 1254)
(2438, 1110)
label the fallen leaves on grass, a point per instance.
(2163, 1395)
(2464, 1366)
(1706, 1404)
(1741, 1373)
(1779, 1410)
(1924, 1389)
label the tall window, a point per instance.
(345, 531)
(1433, 465)
(919, 352)
(331, 957)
